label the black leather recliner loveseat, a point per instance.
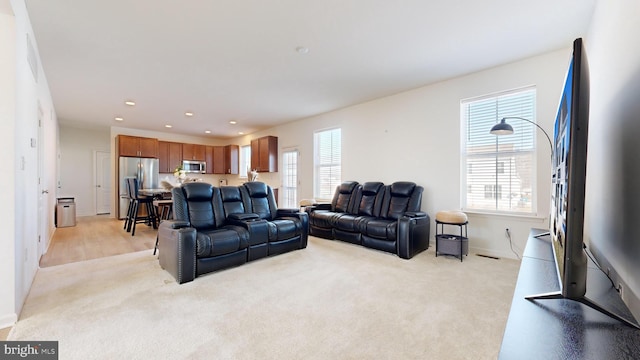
(216, 228)
(378, 216)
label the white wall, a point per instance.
(76, 177)
(26, 96)
(613, 169)
(415, 136)
(8, 314)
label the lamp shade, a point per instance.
(502, 128)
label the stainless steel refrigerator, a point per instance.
(144, 169)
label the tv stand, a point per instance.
(563, 328)
(583, 300)
(546, 233)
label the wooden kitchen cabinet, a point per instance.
(169, 156)
(264, 154)
(193, 152)
(208, 158)
(222, 159)
(136, 146)
(219, 166)
(231, 159)
(215, 159)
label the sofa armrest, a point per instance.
(295, 213)
(415, 214)
(322, 206)
(258, 229)
(413, 235)
(301, 216)
(243, 217)
(177, 224)
(288, 211)
(177, 247)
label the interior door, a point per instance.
(289, 179)
(102, 183)
(43, 192)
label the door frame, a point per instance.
(43, 192)
(96, 169)
(283, 193)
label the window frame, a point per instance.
(529, 154)
(317, 166)
(245, 161)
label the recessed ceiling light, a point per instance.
(240, 133)
(188, 113)
(130, 103)
(207, 131)
(168, 126)
(118, 118)
(302, 50)
(233, 122)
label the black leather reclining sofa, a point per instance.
(378, 216)
(216, 228)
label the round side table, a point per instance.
(448, 243)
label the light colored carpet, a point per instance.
(332, 300)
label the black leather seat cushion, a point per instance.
(283, 229)
(262, 203)
(342, 198)
(220, 241)
(323, 219)
(232, 200)
(379, 228)
(200, 208)
(366, 209)
(259, 198)
(367, 204)
(400, 195)
(346, 222)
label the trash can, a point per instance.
(66, 212)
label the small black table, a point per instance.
(452, 244)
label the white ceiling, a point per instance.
(237, 60)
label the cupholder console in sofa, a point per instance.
(378, 216)
(216, 228)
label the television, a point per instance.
(569, 170)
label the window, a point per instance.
(493, 191)
(245, 160)
(503, 166)
(327, 162)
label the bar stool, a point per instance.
(164, 208)
(134, 217)
(127, 218)
(452, 244)
(165, 211)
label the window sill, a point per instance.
(504, 214)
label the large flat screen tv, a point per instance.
(569, 171)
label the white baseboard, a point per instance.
(490, 252)
(8, 320)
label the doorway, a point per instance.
(102, 161)
(290, 179)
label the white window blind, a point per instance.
(328, 158)
(498, 172)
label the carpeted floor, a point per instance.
(332, 300)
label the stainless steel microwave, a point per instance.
(190, 166)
